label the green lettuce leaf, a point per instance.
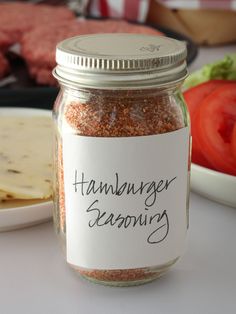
(222, 69)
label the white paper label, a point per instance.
(125, 199)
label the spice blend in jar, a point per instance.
(121, 156)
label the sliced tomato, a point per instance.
(233, 142)
(193, 97)
(214, 122)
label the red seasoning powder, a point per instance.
(113, 113)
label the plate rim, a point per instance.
(4, 109)
(213, 185)
(11, 209)
(197, 167)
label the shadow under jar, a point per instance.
(121, 156)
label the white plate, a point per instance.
(214, 185)
(19, 214)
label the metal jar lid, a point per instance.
(120, 61)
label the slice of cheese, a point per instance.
(25, 157)
(4, 196)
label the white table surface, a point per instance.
(34, 278)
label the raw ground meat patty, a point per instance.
(42, 76)
(4, 66)
(41, 57)
(17, 18)
(5, 41)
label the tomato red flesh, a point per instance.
(233, 142)
(193, 97)
(226, 128)
(214, 128)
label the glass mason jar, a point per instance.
(121, 156)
